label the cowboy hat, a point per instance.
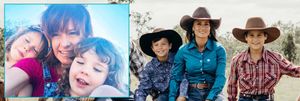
(256, 23)
(200, 13)
(172, 36)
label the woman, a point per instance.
(202, 59)
(65, 25)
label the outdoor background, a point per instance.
(149, 14)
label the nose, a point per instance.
(28, 48)
(65, 42)
(84, 71)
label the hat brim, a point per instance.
(272, 32)
(172, 36)
(187, 21)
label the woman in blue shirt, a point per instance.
(202, 59)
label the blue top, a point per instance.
(155, 76)
(200, 67)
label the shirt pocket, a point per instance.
(269, 80)
(245, 81)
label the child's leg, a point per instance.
(26, 91)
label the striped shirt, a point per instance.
(258, 78)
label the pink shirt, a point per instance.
(34, 70)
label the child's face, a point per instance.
(87, 73)
(256, 39)
(161, 47)
(63, 43)
(26, 46)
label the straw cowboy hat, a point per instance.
(172, 36)
(256, 23)
(200, 13)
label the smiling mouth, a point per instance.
(82, 82)
(68, 54)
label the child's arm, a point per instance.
(26, 91)
(15, 79)
(106, 91)
(183, 90)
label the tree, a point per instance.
(141, 22)
(289, 48)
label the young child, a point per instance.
(27, 42)
(162, 46)
(97, 66)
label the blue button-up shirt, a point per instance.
(207, 66)
(155, 76)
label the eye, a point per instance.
(79, 62)
(74, 33)
(96, 69)
(55, 34)
(27, 41)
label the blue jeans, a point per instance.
(163, 97)
(195, 94)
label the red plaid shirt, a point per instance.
(259, 78)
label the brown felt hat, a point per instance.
(256, 23)
(199, 14)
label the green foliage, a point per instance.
(289, 48)
(141, 21)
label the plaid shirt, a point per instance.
(259, 78)
(137, 60)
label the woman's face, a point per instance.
(201, 28)
(26, 46)
(63, 43)
(87, 72)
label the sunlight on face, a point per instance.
(87, 73)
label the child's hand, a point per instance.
(106, 91)
(181, 98)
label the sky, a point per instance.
(234, 13)
(108, 21)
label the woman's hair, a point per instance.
(191, 35)
(107, 53)
(57, 17)
(22, 31)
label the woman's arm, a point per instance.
(220, 74)
(15, 79)
(177, 74)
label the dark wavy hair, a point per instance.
(57, 17)
(23, 31)
(107, 53)
(191, 35)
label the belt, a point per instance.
(199, 85)
(258, 97)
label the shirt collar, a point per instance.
(209, 44)
(170, 59)
(248, 58)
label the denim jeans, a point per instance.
(195, 94)
(163, 97)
